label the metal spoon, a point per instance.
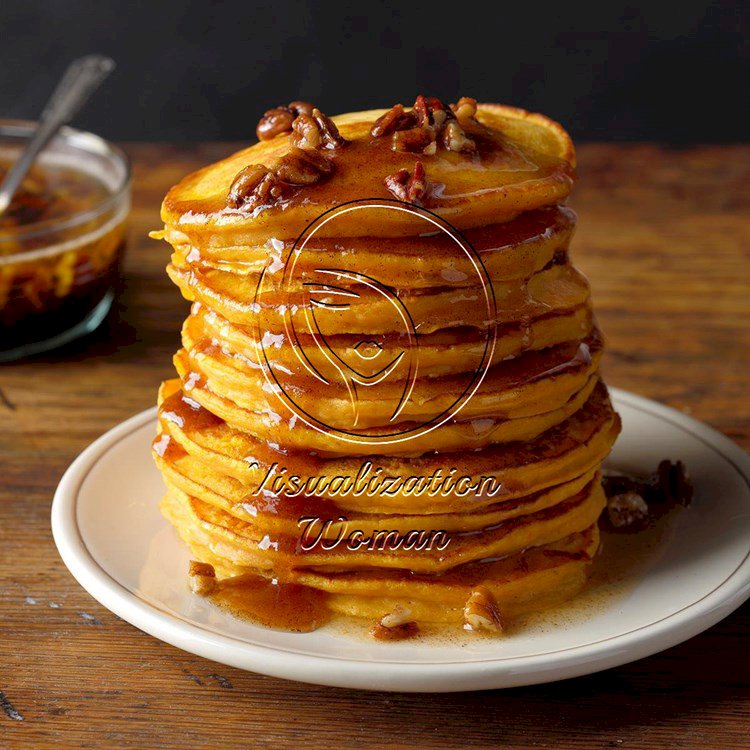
(80, 80)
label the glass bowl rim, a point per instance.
(86, 142)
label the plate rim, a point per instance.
(394, 675)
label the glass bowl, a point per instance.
(58, 274)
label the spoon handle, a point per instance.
(80, 80)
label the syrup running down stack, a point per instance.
(385, 298)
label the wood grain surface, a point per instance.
(664, 236)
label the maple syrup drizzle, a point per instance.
(187, 413)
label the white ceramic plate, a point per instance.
(112, 538)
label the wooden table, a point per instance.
(665, 238)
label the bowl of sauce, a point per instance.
(61, 239)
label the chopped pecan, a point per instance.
(481, 611)
(395, 626)
(396, 118)
(411, 188)
(279, 119)
(454, 138)
(627, 510)
(201, 578)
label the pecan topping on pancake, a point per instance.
(257, 185)
(466, 115)
(430, 121)
(454, 138)
(411, 188)
(465, 109)
(316, 131)
(396, 118)
(246, 183)
(302, 167)
(279, 119)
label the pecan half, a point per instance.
(454, 138)
(201, 578)
(300, 167)
(274, 122)
(627, 510)
(279, 119)
(466, 114)
(329, 133)
(673, 483)
(301, 108)
(245, 183)
(411, 188)
(396, 118)
(481, 611)
(316, 131)
(465, 108)
(395, 626)
(305, 132)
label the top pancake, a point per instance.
(531, 164)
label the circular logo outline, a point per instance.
(293, 253)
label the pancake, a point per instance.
(530, 165)
(440, 353)
(388, 403)
(556, 287)
(512, 250)
(522, 386)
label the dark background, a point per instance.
(667, 71)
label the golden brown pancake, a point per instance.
(514, 249)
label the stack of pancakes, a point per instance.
(452, 339)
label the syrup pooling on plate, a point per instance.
(332, 341)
